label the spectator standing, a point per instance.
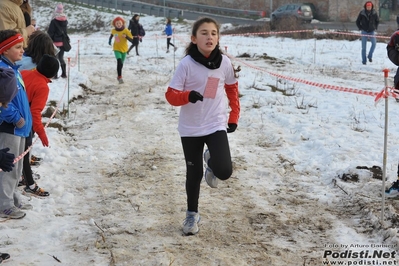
(36, 81)
(200, 85)
(58, 26)
(8, 90)
(367, 22)
(169, 32)
(12, 18)
(15, 126)
(39, 44)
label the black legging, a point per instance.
(220, 162)
(169, 43)
(119, 67)
(135, 43)
(26, 169)
(60, 55)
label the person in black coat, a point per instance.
(367, 22)
(58, 25)
(27, 10)
(134, 27)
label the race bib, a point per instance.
(211, 87)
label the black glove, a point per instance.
(232, 127)
(109, 41)
(194, 96)
(6, 160)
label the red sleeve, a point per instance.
(38, 103)
(234, 102)
(37, 91)
(176, 97)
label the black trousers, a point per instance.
(135, 43)
(60, 55)
(220, 162)
(119, 67)
(169, 43)
(26, 169)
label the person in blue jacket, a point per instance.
(15, 126)
(8, 90)
(169, 32)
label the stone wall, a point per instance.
(346, 10)
(327, 10)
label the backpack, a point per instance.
(141, 30)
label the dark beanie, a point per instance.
(8, 85)
(48, 66)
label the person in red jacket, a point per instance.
(200, 85)
(36, 83)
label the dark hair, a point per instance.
(135, 16)
(39, 44)
(198, 24)
(26, 8)
(5, 34)
(168, 21)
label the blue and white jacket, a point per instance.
(168, 30)
(17, 108)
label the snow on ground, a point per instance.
(116, 171)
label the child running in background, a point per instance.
(120, 48)
(169, 32)
(15, 126)
(202, 80)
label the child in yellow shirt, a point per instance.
(120, 47)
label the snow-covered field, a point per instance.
(116, 171)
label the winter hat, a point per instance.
(48, 66)
(59, 9)
(368, 4)
(8, 85)
(10, 42)
(116, 19)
